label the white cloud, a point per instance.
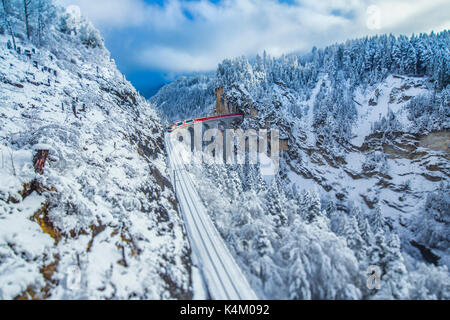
(118, 14)
(185, 36)
(169, 59)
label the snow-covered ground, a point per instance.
(384, 100)
(101, 222)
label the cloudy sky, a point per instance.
(153, 41)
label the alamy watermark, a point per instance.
(373, 17)
(374, 278)
(229, 146)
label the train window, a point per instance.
(189, 121)
(180, 123)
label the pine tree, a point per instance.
(411, 60)
(434, 228)
(378, 223)
(354, 239)
(253, 179)
(375, 252)
(89, 35)
(275, 200)
(299, 286)
(234, 184)
(45, 18)
(393, 281)
(26, 14)
(366, 232)
(330, 208)
(429, 283)
(263, 244)
(424, 57)
(7, 12)
(397, 56)
(310, 206)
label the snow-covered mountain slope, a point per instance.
(103, 209)
(365, 132)
(186, 97)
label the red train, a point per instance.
(190, 122)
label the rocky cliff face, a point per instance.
(388, 163)
(101, 221)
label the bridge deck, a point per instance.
(224, 117)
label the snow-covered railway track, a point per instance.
(221, 273)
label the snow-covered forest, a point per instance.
(186, 97)
(86, 207)
(364, 179)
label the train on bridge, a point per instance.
(186, 123)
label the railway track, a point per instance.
(222, 275)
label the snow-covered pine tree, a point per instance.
(424, 57)
(233, 183)
(394, 275)
(299, 286)
(330, 208)
(354, 239)
(364, 227)
(338, 221)
(275, 200)
(10, 18)
(310, 206)
(434, 226)
(411, 60)
(45, 15)
(71, 23)
(377, 221)
(27, 12)
(429, 283)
